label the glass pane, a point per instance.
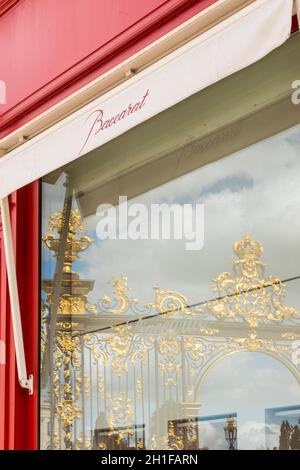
(176, 329)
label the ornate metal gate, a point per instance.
(121, 376)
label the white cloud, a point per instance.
(268, 210)
(256, 191)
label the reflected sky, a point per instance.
(248, 384)
(256, 190)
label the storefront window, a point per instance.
(151, 340)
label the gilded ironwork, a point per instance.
(101, 386)
(120, 415)
(172, 441)
(246, 293)
(74, 245)
(170, 302)
(182, 342)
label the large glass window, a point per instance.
(184, 335)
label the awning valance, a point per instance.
(231, 45)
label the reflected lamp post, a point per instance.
(230, 433)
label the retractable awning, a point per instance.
(230, 46)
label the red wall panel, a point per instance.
(18, 410)
(39, 40)
(50, 48)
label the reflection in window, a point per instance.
(145, 345)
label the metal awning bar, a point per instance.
(24, 380)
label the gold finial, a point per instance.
(247, 293)
(73, 244)
(230, 422)
(249, 253)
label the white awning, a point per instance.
(233, 44)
